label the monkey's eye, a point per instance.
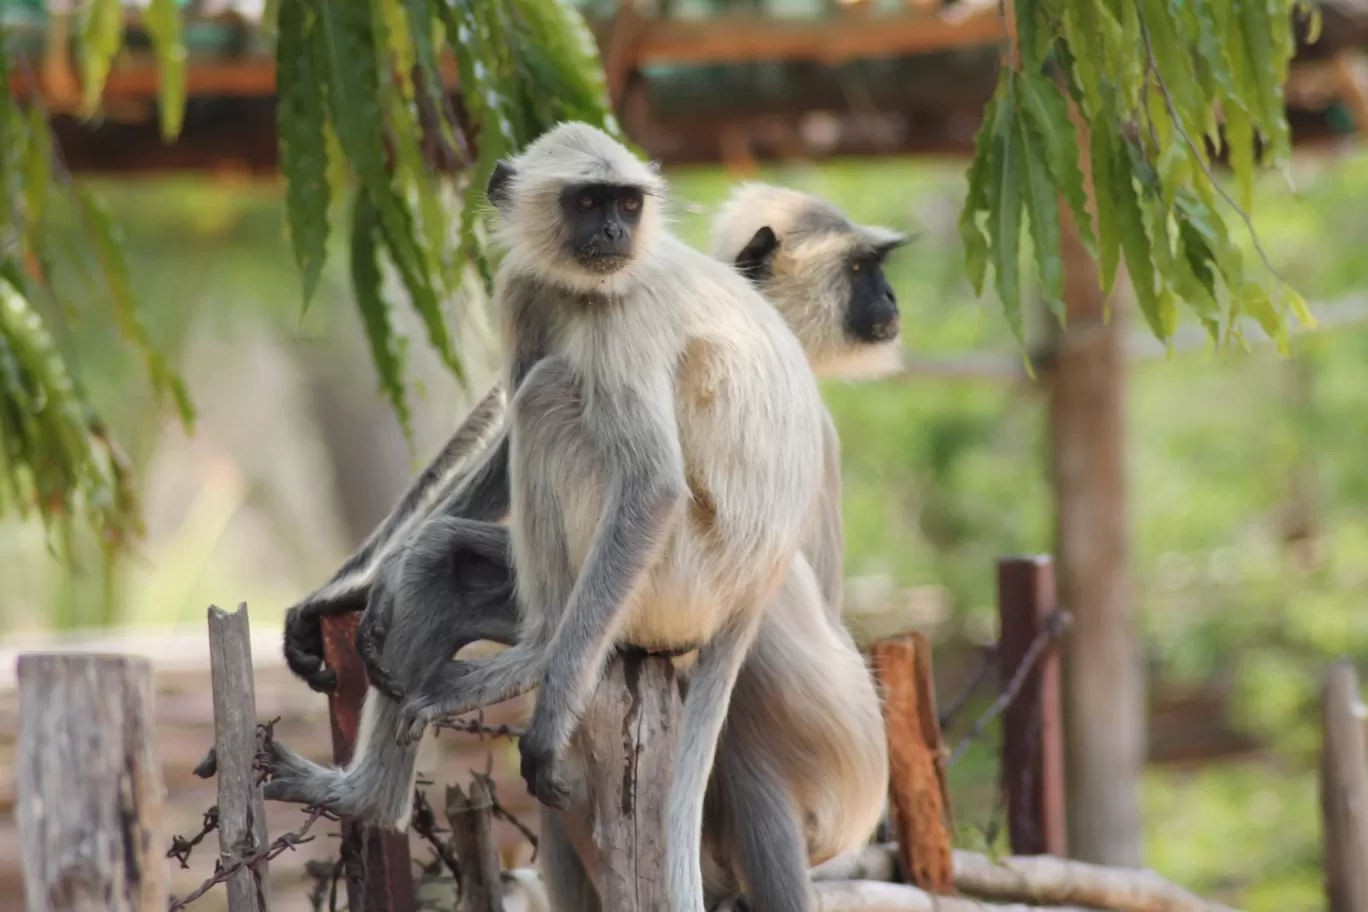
(631, 204)
(585, 202)
(855, 266)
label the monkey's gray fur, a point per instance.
(793, 748)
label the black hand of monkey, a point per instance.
(541, 769)
(304, 650)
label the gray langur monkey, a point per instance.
(664, 459)
(665, 463)
(804, 715)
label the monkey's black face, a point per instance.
(601, 222)
(873, 313)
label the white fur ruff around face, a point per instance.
(574, 153)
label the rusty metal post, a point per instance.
(378, 870)
(1032, 727)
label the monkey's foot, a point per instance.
(414, 718)
(541, 770)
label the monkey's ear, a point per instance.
(497, 189)
(754, 259)
(890, 244)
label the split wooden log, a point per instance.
(627, 737)
(860, 882)
(1042, 879)
(241, 816)
(1049, 880)
(472, 833)
(918, 791)
(89, 787)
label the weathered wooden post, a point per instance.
(472, 835)
(919, 796)
(1344, 792)
(1032, 730)
(241, 815)
(379, 873)
(89, 785)
(628, 736)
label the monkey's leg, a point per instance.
(460, 686)
(455, 583)
(568, 886)
(761, 837)
(630, 448)
(705, 710)
(805, 700)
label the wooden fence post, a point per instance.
(379, 872)
(1344, 792)
(627, 737)
(920, 798)
(472, 835)
(241, 815)
(1032, 730)
(89, 785)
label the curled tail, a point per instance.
(376, 786)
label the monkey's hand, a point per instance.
(370, 645)
(304, 649)
(542, 765)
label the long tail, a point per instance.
(441, 476)
(376, 786)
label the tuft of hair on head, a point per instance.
(797, 249)
(524, 192)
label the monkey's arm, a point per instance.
(348, 590)
(455, 580)
(646, 491)
(825, 547)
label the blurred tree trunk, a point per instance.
(1104, 681)
(370, 460)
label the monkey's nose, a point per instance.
(888, 329)
(612, 231)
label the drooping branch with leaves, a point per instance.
(1160, 87)
(365, 121)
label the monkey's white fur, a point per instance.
(702, 402)
(808, 270)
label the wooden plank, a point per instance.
(920, 798)
(737, 39)
(627, 737)
(242, 816)
(379, 872)
(1032, 730)
(1344, 792)
(89, 784)
(472, 834)
(1104, 693)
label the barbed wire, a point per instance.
(1050, 631)
(282, 843)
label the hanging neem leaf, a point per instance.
(1152, 82)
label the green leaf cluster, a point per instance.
(56, 457)
(1160, 89)
(361, 97)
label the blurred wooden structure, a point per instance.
(861, 79)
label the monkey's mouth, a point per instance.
(596, 259)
